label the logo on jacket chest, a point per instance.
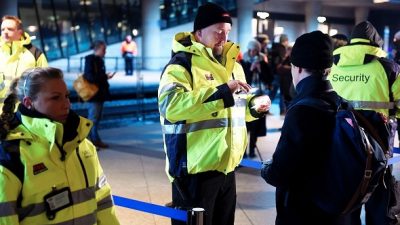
(209, 76)
(39, 168)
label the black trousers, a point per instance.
(213, 191)
(128, 64)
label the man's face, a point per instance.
(215, 36)
(10, 31)
(101, 51)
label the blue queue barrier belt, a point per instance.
(150, 208)
(182, 214)
(251, 164)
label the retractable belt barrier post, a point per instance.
(193, 216)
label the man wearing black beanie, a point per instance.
(204, 104)
(306, 136)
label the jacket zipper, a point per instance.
(83, 167)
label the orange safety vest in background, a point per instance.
(129, 47)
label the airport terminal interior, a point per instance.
(135, 160)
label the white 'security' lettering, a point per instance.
(351, 78)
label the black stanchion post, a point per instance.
(196, 216)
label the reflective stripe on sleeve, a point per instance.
(172, 86)
(164, 104)
(8, 208)
(105, 203)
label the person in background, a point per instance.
(306, 136)
(362, 75)
(16, 53)
(285, 82)
(264, 41)
(129, 51)
(259, 76)
(203, 104)
(95, 72)
(339, 40)
(49, 171)
(277, 56)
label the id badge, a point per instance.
(57, 200)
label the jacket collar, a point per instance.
(313, 86)
(15, 46)
(69, 135)
(185, 42)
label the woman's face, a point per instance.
(53, 100)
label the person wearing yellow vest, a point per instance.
(362, 75)
(203, 103)
(16, 53)
(49, 171)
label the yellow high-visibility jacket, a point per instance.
(363, 76)
(40, 156)
(203, 123)
(15, 58)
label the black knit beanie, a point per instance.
(209, 14)
(366, 30)
(312, 51)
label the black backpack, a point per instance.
(357, 159)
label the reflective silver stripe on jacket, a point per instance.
(372, 105)
(105, 203)
(169, 87)
(8, 208)
(202, 125)
(89, 219)
(39, 208)
(172, 86)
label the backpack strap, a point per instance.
(366, 127)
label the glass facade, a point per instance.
(67, 27)
(176, 12)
